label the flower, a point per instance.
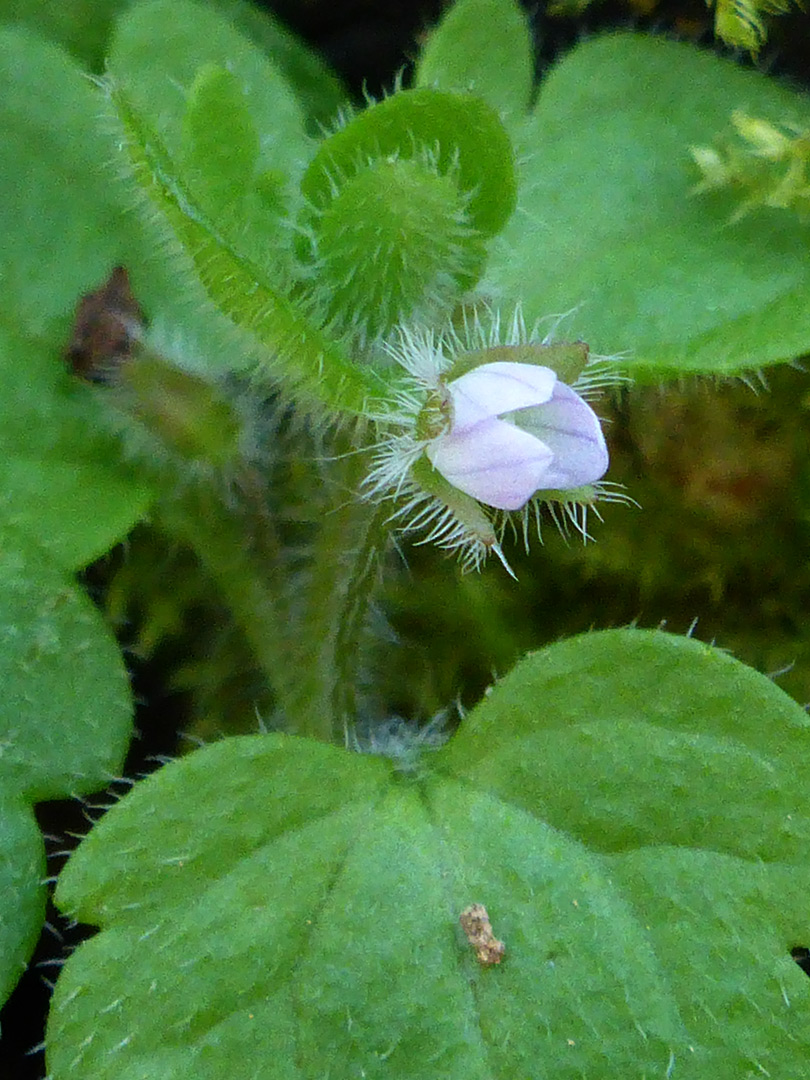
(515, 429)
(487, 431)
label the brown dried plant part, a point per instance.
(476, 925)
(106, 328)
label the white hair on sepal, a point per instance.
(432, 458)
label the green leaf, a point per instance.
(219, 160)
(65, 219)
(399, 203)
(65, 721)
(60, 218)
(158, 49)
(483, 47)
(79, 26)
(60, 477)
(83, 28)
(645, 738)
(319, 92)
(609, 225)
(272, 906)
(22, 895)
(219, 147)
(741, 22)
(76, 511)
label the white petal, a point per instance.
(569, 426)
(495, 389)
(495, 462)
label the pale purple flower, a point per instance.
(469, 456)
(515, 429)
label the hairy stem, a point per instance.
(344, 571)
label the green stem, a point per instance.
(345, 565)
(352, 619)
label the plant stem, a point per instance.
(351, 541)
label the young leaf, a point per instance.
(609, 223)
(158, 49)
(312, 924)
(65, 721)
(219, 147)
(461, 133)
(483, 47)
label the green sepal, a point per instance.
(464, 508)
(566, 359)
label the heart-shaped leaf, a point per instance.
(274, 907)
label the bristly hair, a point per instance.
(462, 525)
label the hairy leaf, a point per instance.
(254, 300)
(160, 45)
(628, 807)
(459, 132)
(65, 721)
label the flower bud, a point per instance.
(515, 429)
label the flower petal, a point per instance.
(569, 426)
(492, 390)
(495, 462)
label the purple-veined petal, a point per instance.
(495, 389)
(495, 462)
(571, 429)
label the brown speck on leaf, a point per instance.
(476, 925)
(105, 330)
